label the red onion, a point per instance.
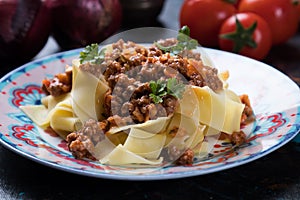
(24, 29)
(78, 23)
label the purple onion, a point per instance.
(77, 23)
(24, 29)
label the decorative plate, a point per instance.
(275, 99)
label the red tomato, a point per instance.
(297, 4)
(254, 44)
(204, 18)
(236, 3)
(281, 16)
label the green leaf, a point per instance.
(161, 85)
(185, 30)
(184, 42)
(161, 88)
(175, 88)
(157, 87)
(182, 37)
(192, 44)
(91, 54)
(158, 91)
(153, 87)
(156, 99)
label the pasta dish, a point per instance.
(132, 104)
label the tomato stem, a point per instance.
(296, 2)
(242, 36)
(231, 1)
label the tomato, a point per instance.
(247, 34)
(204, 18)
(297, 6)
(236, 3)
(281, 16)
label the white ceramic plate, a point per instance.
(274, 97)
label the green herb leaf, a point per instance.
(175, 88)
(184, 42)
(92, 54)
(161, 88)
(156, 99)
(157, 87)
(185, 30)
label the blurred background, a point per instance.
(33, 29)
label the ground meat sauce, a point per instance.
(186, 158)
(248, 114)
(128, 68)
(82, 143)
(60, 84)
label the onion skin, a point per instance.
(78, 23)
(25, 28)
(141, 13)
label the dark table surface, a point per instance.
(275, 176)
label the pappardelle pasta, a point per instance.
(133, 104)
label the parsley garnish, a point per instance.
(184, 42)
(92, 54)
(161, 88)
(158, 91)
(175, 88)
